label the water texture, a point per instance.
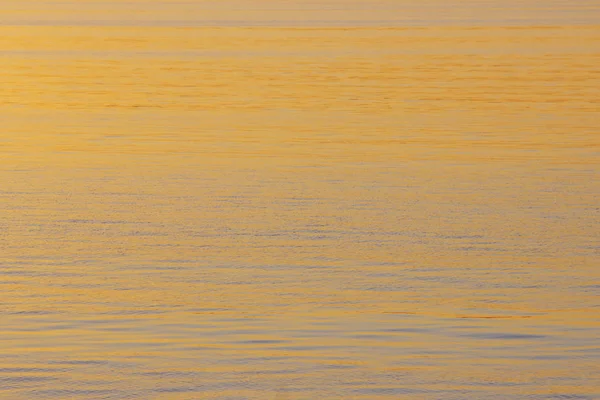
(299, 199)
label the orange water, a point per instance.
(299, 200)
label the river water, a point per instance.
(299, 199)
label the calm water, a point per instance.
(299, 199)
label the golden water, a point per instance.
(299, 200)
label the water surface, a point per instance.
(299, 200)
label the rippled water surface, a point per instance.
(299, 199)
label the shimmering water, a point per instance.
(299, 200)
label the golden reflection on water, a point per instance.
(299, 213)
